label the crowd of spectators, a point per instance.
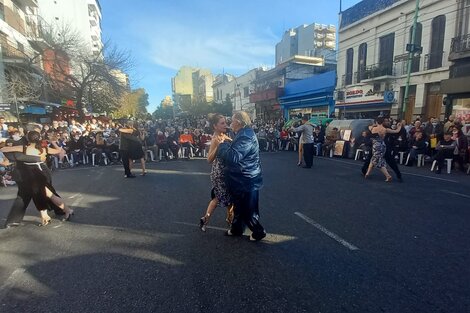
(96, 141)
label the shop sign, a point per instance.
(4, 107)
(362, 94)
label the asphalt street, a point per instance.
(336, 243)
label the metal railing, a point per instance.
(378, 70)
(461, 43)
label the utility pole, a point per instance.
(412, 50)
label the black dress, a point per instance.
(39, 177)
(135, 148)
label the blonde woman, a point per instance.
(219, 192)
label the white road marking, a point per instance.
(326, 231)
(432, 177)
(456, 193)
(406, 173)
(74, 196)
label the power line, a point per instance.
(398, 32)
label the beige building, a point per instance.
(122, 77)
(372, 60)
(192, 85)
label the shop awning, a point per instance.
(455, 85)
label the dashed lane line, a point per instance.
(327, 232)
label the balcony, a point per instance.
(379, 71)
(28, 3)
(12, 54)
(460, 70)
(460, 48)
(35, 26)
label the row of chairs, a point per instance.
(420, 157)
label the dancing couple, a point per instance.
(379, 149)
(241, 173)
(34, 181)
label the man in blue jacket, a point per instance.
(243, 176)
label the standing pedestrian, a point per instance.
(307, 140)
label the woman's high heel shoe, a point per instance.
(389, 179)
(203, 222)
(45, 222)
(143, 173)
(67, 216)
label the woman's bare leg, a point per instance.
(385, 172)
(142, 162)
(210, 209)
(301, 152)
(369, 170)
(230, 214)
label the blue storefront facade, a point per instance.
(311, 96)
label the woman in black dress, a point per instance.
(39, 177)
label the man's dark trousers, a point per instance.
(246, 213)
(308, 154)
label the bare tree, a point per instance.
(90, 76)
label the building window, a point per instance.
(2, 11)
(362, 61)
(418, 37)
(349, 66)
(246, 92)
(438, 28)
(387, 46)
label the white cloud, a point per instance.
(232, 49)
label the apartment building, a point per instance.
(84, 16)
(314, 40)
(192, 85)
(20, 63)
(238, 90)
(373, 58)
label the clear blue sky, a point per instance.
(234, 36)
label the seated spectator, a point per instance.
(162, 143)
(172, 140)
(461, 155)
(16, 139)
(418, 146)
(318, 140)
(150, 143)
(186, 140)
(445, 150)
(363, 142)
(417, 128)
(330, 140)
(284, 136)
(75, 147)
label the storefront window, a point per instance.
(461, 109)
